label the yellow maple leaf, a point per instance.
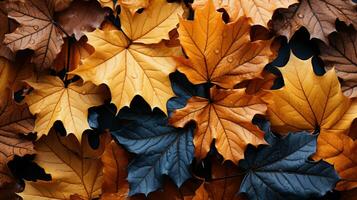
(74, 172)
(133, 62)
(218, 52)
(51, 101)
(260, 11)
(308, 101)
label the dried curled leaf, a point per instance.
(227, 118)
(317, 16)
(220, 53)
(37, 30)
(51, 101)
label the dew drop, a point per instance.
(83, 92)
(83, 28)
(36, 27)
(216, 51)
(32, 41)
(230, 59)
(134, 75)
(300, 15)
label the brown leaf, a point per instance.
(349, 195)
(37, 30)
(78, 50)
(201, 194)
(61, 4)
(82, 16)
(14, 120)
(258, 85)
(341, 54)
(227, 118)
(115, 161)
(5, 26)
(318, 16)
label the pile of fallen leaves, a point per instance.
(149, 99)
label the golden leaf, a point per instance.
(220, 53)
(51, 101)
(227, 118)
(308, 101)
(130, 68)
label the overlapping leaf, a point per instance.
(74, 173)
(341, 54)
(259, 11)
(37, 30)
(308, 101)
(282, 170)
(318, 16)
(162, 149)
(133, 62)
(226, 118)
(220, 53)
(51, 100)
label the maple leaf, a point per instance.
(14, 120)
(72, 54)
(108, 3)
(51, 100)
(282, 169)
(161, 149)
(77, 20)
(133, 5)
(37, 30)
(259, 11)
(115, 161)
(128, 67)
(341, 54)
(220, 53)
(73, 175)
(340, 151)
(317, 16)
(227, 118)
(308, 101)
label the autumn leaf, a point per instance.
(258, 85)
(220, 53)
(60, 5)
(259, 11)
(340, 151)
(115, 161)
(133, 5)
(201, 194)
(77, 20)
(72, 174)
(128, 67)
(308, 101)
(282, 170)
(341, 54)
(51, 101)
(14, 120)
(317, 16)
(227, 118)
(78, 51)
(5, 28)
(108, 3)
(37, 30)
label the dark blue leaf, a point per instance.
(283, 171)
(183, 90)
(162, 149)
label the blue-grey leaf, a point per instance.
(283, 171)
(161, 149)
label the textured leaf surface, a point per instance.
(72, 173)
(226, 118)
(14, 120)
(81, 17)
(340, 151)
(133, 5)
(218, 52)
(308, 101)
(260, 11)
(131, 68)
(318, 16)
(161, 149)
(341, 54)
(51, 101)
(37, 30)
(282, 171)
